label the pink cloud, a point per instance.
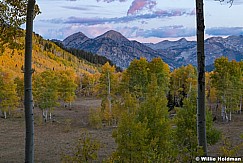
(138, 5)
(108, 1)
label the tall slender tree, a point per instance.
(201, 113)
(28, 99)
(12, 15)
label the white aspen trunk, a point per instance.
(9, 112)
(224, 113)
(240, 104)
(46, 115)
(109, 92)
(5, 114)
(230, 116)
(50, 115)
(190, 89)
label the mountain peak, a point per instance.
(113, 32)
(76, 35)
(74, 39)
(114, 35)
(182, 40)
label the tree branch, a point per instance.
(228, 1)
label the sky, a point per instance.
(141, 20)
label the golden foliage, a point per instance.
(46, 56)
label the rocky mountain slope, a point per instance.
(183, 51)
(115, 47)
(122, 51)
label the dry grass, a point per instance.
(54, 138)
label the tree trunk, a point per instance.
(240, 104)
(5, 114)
(70, 104)
(109, 91)
(223, 113)
(226, 115)
(50, 115)
(201, 113)
(190, 89)
(44, 114)
(230, 116)
(28, 99)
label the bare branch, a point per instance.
(228, 1)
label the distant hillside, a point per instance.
(88, 56)
(122, 51)
(185, 52)
(46, 55)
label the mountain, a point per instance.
(98, 60)
(170, 44)
(113, 35)
(114, 46)
(185, 52)
(75, 39)
(121, 51)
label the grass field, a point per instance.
(54, 138)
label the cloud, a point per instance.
(83, 8)
(225, 31)
(74, 8)
(129, 32)
(237, 2)
(138, 5)
(109, 1)
(125, 19)
(63, 32)
(176, 31)
(167, 31)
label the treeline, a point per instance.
(50, 89)
(88, 56)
